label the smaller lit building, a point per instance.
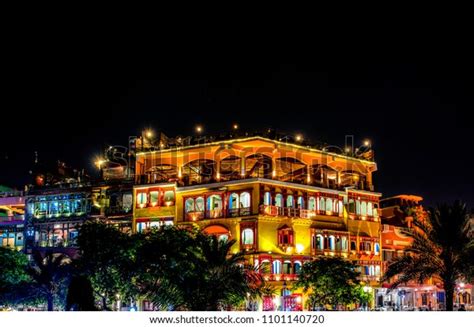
(12, 218)
(397, 215)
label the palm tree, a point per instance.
(188, 270)
(48, 273)
(442, 247)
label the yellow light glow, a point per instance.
(199, 128)
(149, 133)
(367, 143)
(348, 149)
(236, 126)
(299, 248)
(298, 299)
(99, 162)
(299, 137)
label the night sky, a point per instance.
(414, 114)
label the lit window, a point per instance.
(153, 198)
(300, 202)
(328, 204)
(322, 204)
(279, 200)
(376, 248)
(141, 199)
(320, 242)
(276, 267)
(169, 197)
(189, 205)
(245, 200)
(332, 242)
(369, 209)
(199, 204)
(234, 201)
(297, 267)
(358, 207)
(247, 236)
(289, 201)
(312, 203)
(363, 208)
(267, 199)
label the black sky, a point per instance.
(415, 114)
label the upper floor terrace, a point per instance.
(254, 157)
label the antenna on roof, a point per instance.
(36, 157)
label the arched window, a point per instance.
(363, 208)
(142, 199)
(329, 204)
(344, 243)
(377, 270)
(376, 248)
(247, 236)
(199, 204)
(289, 201)
(369, 209)
(276, 267)
(297, 267)
(189, 205)
(300, 202)
(340, 210)
(372, 270)
(320, 242)
(245, 200)
(265, 267)
(267, 199)
(311, 203)
(214, 206)
(279, 200)
(358, 207)
(234, 201)
(322, 204)
(287, 267)
(332, 242)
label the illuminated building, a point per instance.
(12, 218)
(284, 202)
(397, 215)
(57, 207)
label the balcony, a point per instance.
(217, 213)
(294, 212)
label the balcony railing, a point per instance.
(217, 213)
(294, 212)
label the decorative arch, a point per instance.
(291, 169)
(258, 166)
(323, 175)
(199, 171)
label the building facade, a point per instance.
(12, 218)
(283, 202)
(398, 213)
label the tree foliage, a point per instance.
(442, 247)
(330, 281)
(107, 259)
(188, 270)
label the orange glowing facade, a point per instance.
(284, 203)
(398, 213)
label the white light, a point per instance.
(462, 285)
(299, 248)
(367, 143)
(199, 129)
